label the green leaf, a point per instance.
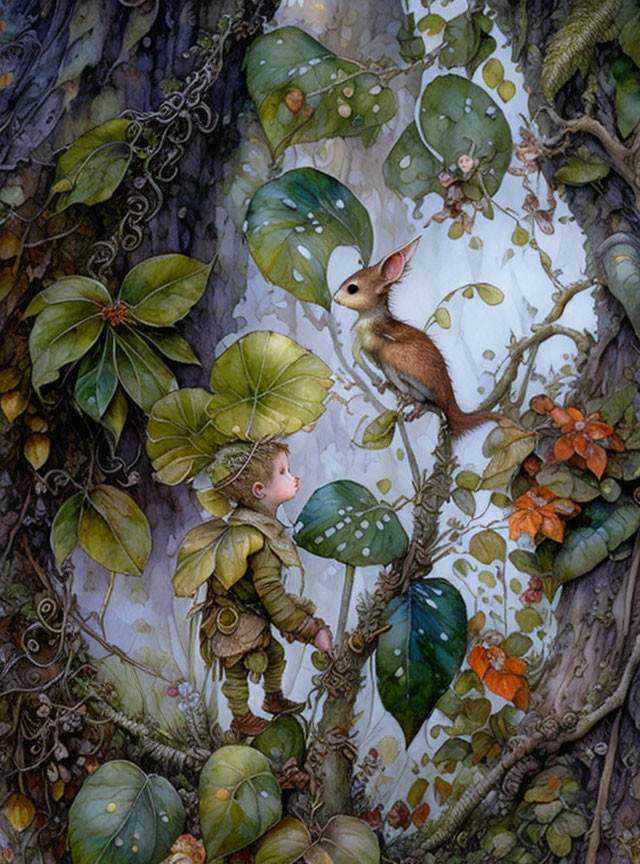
(115, 416)
(379, 433)
(418, 657)
(285, 843)
(160, 291)
(410, 45)
(61, 334)
(266, 385)
(492, 72)
(416, 792)
(181, 439)
(487, 546)
(526, 562)
(411, 169)
(431, 24)
(520, 237)
(582, 167)
(172, 346)
(630, 38)
(343, 520)
(574, 824)
(141, 372)
(491, 295)
(114, 531)
(517, 645)
(456, 117)
(235, 546)
(95, 164)
(569, 482)
(197, 556)
(454, 750)
(627, 78)
(442, 317)
(71, 288)
(464, 499)
(239, 799)
(122, 815)
(301, 94)
(468, 480)
(614, 406)
(65, 526)
(584, 548)
(296, 221)
(97, 382)
(558, 840)
(622, 266)
(282, 740)
(347, 840)
(508, 447)
(528, 619)
(461, 41)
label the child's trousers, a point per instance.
(236, 685)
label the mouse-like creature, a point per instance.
(409, 360)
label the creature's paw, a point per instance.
(418, 410)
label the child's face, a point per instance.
(282, 486)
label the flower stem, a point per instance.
(347, 589)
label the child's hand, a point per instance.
(322, 639)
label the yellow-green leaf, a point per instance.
(20, 811)
(114, 531)
(519, 236)
(161, 290)
(492, 72)
(442, 317)
(507, 90)
(36, 450)
(232, 552)
(196, 557)
(285, 843)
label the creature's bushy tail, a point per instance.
(464, 421)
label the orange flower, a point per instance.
(504, 676)
(541, 404)
(539, 511)
(579, 435)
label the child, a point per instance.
(236, 621)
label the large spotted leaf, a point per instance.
(266, 385)
(305, 92)
(122, 815)
(181, 439)
(411, 170)
(239, 800)
(418, 657)
(343, 520)
(295, 222)
(458, 118)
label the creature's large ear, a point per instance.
(392, 267)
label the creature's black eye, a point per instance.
(352, 289)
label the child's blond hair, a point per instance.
(247, 464)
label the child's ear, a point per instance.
(259, 490)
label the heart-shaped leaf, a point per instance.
(282, 740)
(65, 527)
(114, 531)
(239, 799)
(582, 167)
(343, 520)
(304, 92)
(140, 371)
(266, 385)
(181, 440)
(487, 546)
(295, 222)
(379, 433)
(344, 840)
(458, 118)
(161, 290)
(94, 165)
(122, 815)
(411, 169)
(418, 657)
(69, 322)
(508, 447)
(97, 381)
(196, 556)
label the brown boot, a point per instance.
(248, 724)
(276, 703)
